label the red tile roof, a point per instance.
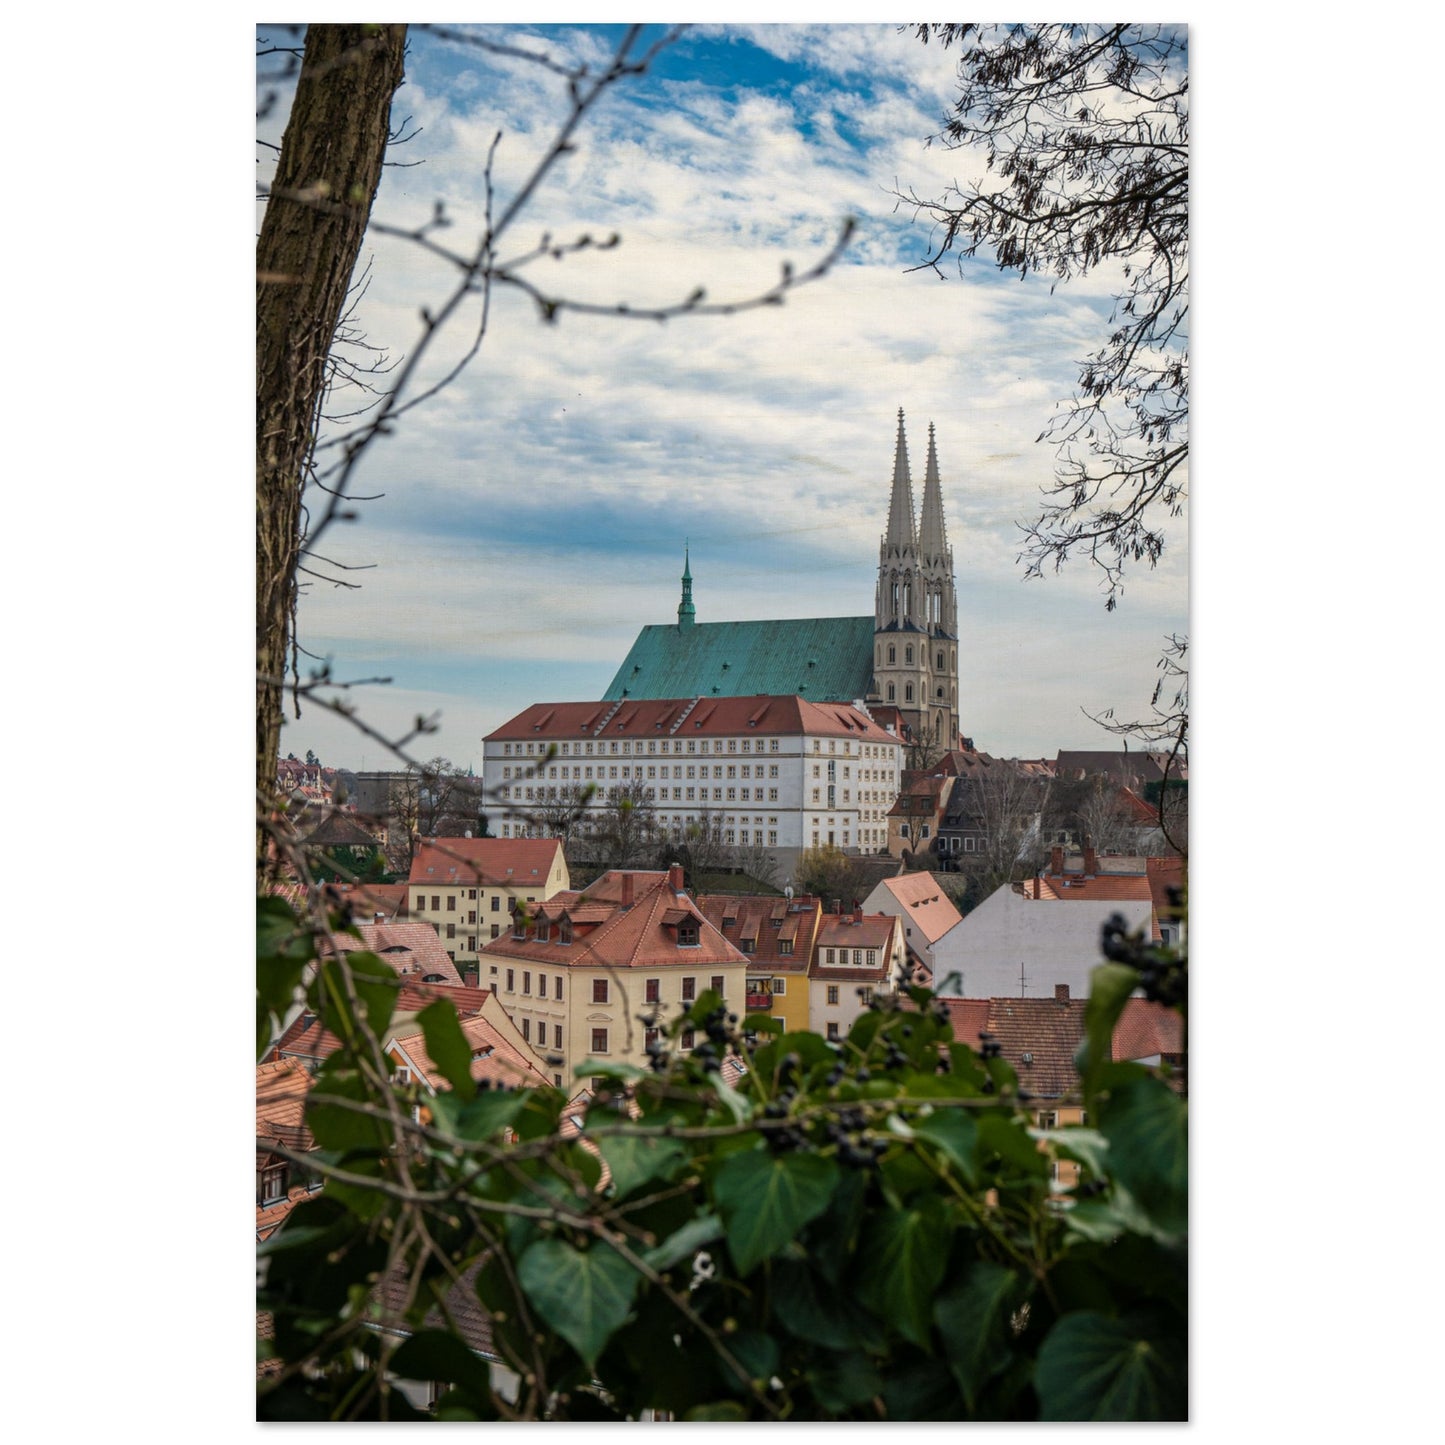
(689, 717)
(496, 1057)
(638, 935)
(281, 1089)
(969, 1017)
(1038, 1037)
(412, 949)
(844, 930)
(1145, 1029)
(493, 862)
(766, 921)
(926, 906)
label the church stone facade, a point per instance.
(902, 661)
(915, 642)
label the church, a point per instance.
(784, 735)
(902, 662)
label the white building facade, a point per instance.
(774, 772)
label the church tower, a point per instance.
(915, 641)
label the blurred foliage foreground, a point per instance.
(865, 1230)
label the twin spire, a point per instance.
(929, 538)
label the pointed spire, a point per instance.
(932, 537)
(901, 531)
(686, 612)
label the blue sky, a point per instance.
(532, 517)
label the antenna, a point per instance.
(1023, 981)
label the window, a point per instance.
(511, 980)
(653, 988)
(832, 993)
(780, 985)
(599, 1041)
(496, 903)
(541, 985)
(687, 936)
(472, 893)
(785, 947)
(750, 945)
(451, 902)
(527, 1031)
(558, 982)
(833, 1033)
(496, 930)
(689, 987)
(599, 990)
(526, 980)
(451, 930)
(650, 1037)
(421, 903)
(471, 943)
(717, 983)
(471, 915)
(687, 1038)
(436, 903)
(866, 995)
(271, 1183)
(1048, 1119)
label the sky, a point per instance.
(530, 518)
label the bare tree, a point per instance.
(1000, 804)
(626, 826)
(1086, 133)
(755, 862)
(562, 813)
(829, 873)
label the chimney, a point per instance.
(627, 885)
(470, 978)
(1056, 861)
(1061, 993)
(837, 905)
(857, 911)
(674, 878)
(1091, 866)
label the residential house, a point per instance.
(576, 970)
(1025, 938)
(857, 956)
(926, 910)
(412, 949)
(917, 813)
(281, 1089)
(777, 936)
(465, 888)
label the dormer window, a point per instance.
(749, 945)
(687, 933)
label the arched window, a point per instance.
(892, 692)
(908, 653)
(908, 693)
(892, 653)
(939, 664)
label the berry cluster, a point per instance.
(1162, 974)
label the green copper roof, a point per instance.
(823, 659)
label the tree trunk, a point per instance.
(326, 179)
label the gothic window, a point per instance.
(939, 663)
(892, 695)
(892, 653)
(908, 693)
(908, 653)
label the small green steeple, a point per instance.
(686, 612)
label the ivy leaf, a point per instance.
(955, 1133)
(765, 1200)
(907, 1254)
(479, 1118)
(974, 1322)
(1093, 1367)
(583, 1294)
(634, 1159)
(439, 1355)
(448, 1047)
(1109, 988)
(1145, 1122)
(844, 1380)
(685, 1242)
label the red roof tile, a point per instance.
(766, 921)
(927, 907)
(493, 862)
(1145, 1029)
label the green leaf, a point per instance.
(765, 1200)
(1009, 1139)
(635, 1159)
(334, 1124)
(811, 1311)
(439, 1355)
(1146, 1124)
(717, 1410)
(974, 1321)
(1093, 1367)
(1109, 988)
(583, 1294)
(905, 1259)
(447, 1045)
(955, 1133)
(756, 1352)
(685, 1242)
(479, 1118)
(840, 1381)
